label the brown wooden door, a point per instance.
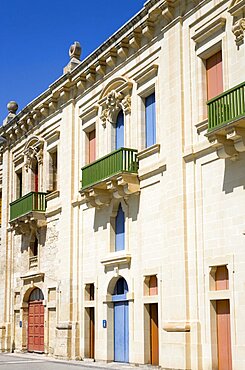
(91, 344)
(154, 334)
(224, 334)
(36, 326)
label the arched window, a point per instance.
(120, 230)
(36, 295)
(120, 130)
(121, 287)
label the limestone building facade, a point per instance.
(122, 193)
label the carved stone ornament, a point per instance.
(238, 30)
(114, 103)
(33, 151)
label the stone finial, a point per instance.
(74, 53)
(12, 108)
(75, 50)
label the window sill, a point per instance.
(116, 258)
(54, 194)
(148, 151)
(150, 163)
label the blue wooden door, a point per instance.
(121, 332)
(120, 130)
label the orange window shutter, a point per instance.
(92, 146)
(214, 75)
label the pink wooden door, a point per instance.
(224, 334)
(214, 75)
(92, 146)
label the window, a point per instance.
(120, 130)
(151, 285)
(33, 254)
(19, 184)
(35, 175)
(0, 208)
(120, 230)
(53, 159)
(89, 292)
(214, 75)
(91, 146)
(150, 120)
(221, 278)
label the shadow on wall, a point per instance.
(27, 238)
(234, 175)
(103, 216)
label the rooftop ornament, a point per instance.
(75, 54)
(12, 107)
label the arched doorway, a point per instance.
(121, 321)
(36, 321)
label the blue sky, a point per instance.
(35, 38)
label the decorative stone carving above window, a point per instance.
(115, 96)
(236, 9)
(33, 150)
(238, 30)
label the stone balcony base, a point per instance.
(118, 186)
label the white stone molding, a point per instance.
(209, 29)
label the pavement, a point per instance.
(33, 361)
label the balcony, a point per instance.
(226, 122)
(28, 212)
(114, 175)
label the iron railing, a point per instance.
(226, 107)
(30, 202)
(118, 161)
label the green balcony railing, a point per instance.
(121, 160)
(28, 203)
(226, 107)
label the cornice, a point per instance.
(132, 36)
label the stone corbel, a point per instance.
(81, 83)
(101, 68)
(238, 30)
(30, 121)
(96, 198)
(90, 76)
(123, 186)
(24, 126)
(123, 49)
(135, 39)
(224, 147)
(44, 110)
(148, 29)
(52, 105)
(112, 58)
(36, 115)
(237, 135)
(167, 13)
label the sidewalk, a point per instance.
(86, 363)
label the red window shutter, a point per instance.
(92, 146)
(214, 75)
